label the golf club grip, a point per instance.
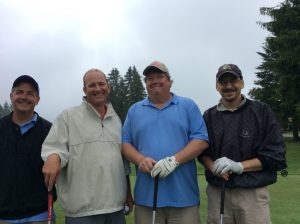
(222, 197)
(155, 192)
(50, 204)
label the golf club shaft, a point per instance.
(50, 204)
(222, 202)
(153, 217)
(221, 219)
(155, 198)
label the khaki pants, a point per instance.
(170, 215)
(242, 205)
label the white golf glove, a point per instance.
(224, 165)
(164, 167)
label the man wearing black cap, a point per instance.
(23, 197)
(246, 149)
(162, 135)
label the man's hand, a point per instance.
(224, 165)
(51, 170)
(146, 164)
(164, 167)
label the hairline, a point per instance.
(93, 70)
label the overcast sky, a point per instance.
(57, 41)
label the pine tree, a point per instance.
(134, 86)
(137, 88)
(116, 96)
(279, 72)
(1, 111)
(125, 91)
(5, 109)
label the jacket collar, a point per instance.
(109, 113)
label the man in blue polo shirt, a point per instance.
(23, 197)
(162, 135)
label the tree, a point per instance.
(117, 96)
(279, 74)
(125, 91)
(135, 90)
(5, 109)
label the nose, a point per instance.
(23, 96)
(98, 87)
(227, 84)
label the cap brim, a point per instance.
(150, 68)
(228, 72)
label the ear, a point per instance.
(84, 89)
(242, 84)
(217, 86)
(108, 88)
(37, 100)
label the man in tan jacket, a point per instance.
(82, 154)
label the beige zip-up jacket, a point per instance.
(92, 178)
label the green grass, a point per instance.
(285, 194)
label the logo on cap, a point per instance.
(229, 68)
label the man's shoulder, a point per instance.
(44, 121)
(257, 105)
(183, 100)
(140, 103)
(211, 110)
(72, 110)
(5, 119)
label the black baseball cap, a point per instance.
(229, 68)
(27, 79)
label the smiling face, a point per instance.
(229, 86)
(158, 84)
(96, 88)
(24, 98)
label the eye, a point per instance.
(19, 92)
(161, 76)
(91, 85)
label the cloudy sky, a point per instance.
(57, 41)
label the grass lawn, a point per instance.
(285, 194)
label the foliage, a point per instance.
(279, 73)
(125, 91)
(5, 109)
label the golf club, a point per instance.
(222, 202)
(50, 204)
(155, 198)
